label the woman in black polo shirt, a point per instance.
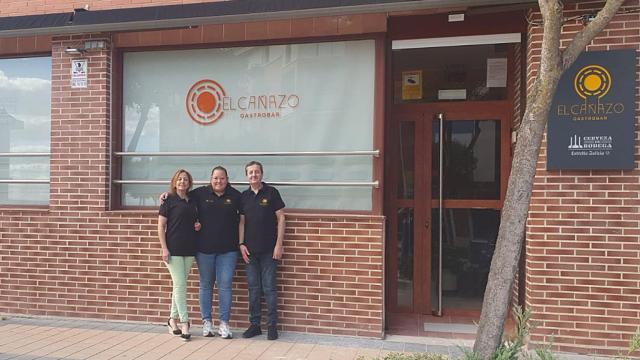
(177, 224)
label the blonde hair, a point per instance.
(174, 180)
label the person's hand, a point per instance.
(245, 253)
(163, 197)
(277, 252)
(197, 226)
(165, 255)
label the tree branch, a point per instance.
(584, 37)
(551, 11)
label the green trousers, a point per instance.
(179, 268)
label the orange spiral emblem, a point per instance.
(204, 102)
(592, 80)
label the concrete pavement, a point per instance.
(26, 338)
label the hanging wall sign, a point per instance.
(592, 117)
(79, 74)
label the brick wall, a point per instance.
(582, 243)
(77, 259)
(107, 265)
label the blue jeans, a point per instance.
(262, 279)
(219, 269)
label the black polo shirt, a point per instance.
(181, 216)
(261, 223)
(219, 217)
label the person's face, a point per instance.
(218, 181)
(183, 182)
(254, 175)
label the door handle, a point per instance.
(426, 224)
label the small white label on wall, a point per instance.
(79, 74)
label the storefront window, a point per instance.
(281, 98)
(25, 120)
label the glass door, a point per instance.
(467, 183)
(446, 164)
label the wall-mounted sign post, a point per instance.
(592, 117)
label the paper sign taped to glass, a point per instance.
(412, 85)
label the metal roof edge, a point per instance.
(157, 24)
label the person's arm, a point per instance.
(277, 250)
(243, 248)
(162, 236)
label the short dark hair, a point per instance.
(220, 168)
(251, 163)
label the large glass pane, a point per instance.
(469, 237)
(254, 99)
(298, 168)
(25, 120)
(471, 159)
(404, 277)
(407, 164)
(458, 73)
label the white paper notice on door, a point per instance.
(496, 72)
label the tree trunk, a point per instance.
(504, 265)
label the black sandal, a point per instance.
(172, 330)
(187, 336)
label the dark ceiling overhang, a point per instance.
(180, 16)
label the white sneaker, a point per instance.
(223, 330)
(207, 328)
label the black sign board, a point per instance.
(592, 117)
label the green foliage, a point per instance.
(544, 353)
(634, 345)
(513, 348)
(407, 356)
(468, 354)
(507, 351)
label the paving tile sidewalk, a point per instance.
(58, 338)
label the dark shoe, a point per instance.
(186, 335)
(253, 330)
(272, 333)
(175, 330)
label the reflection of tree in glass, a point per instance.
(460, 163)
(405, 244)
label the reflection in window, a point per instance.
(406, 160)
(267, 98)
(25, 120)
(405, 257)
(454, 73)
(471, 159)
(469, 239)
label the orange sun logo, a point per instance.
(204, 102)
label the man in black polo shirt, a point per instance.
(262, 214)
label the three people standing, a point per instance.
(252, 221)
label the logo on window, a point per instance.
(204, 102)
